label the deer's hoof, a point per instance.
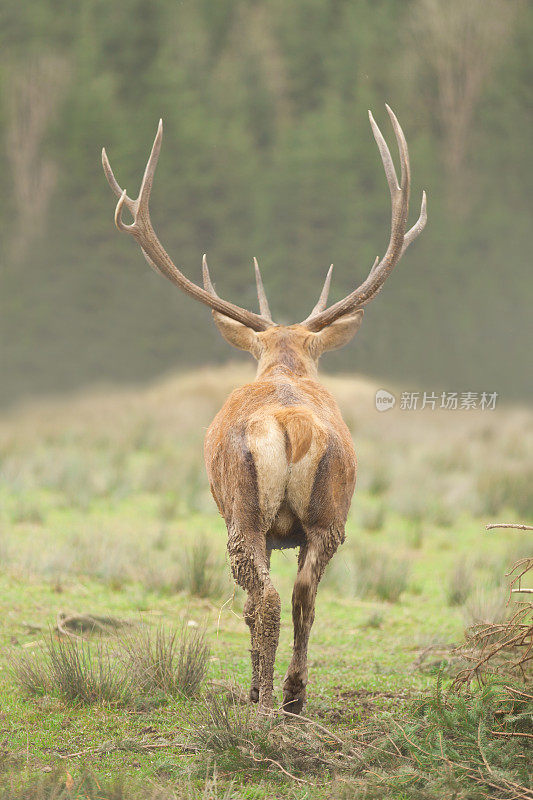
(293, 699)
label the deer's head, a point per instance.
(295, 348)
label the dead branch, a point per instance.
(517, 525)
(505, 646)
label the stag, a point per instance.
(279, 457)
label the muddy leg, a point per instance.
(250, 563)
(320, 546)
(249, 618)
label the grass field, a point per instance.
(105, 511)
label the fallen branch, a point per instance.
(517, 525)
(512, 733)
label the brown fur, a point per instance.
(282, 467)
(298, 424)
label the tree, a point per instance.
(34, 93)
(460, 42)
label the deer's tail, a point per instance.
(299, 424)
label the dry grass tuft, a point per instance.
(60, 785)
(241, 738)
(172, 663)
(203, 574)
(78, 671)
(460, 584)
(380, 575)
(120, 672)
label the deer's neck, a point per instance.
(290, 368)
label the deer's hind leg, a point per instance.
(250, 606)
(250, 563)
(321, 544)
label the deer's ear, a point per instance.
(338, 333)
(237, 334)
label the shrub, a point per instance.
(26, 511)
(510, 488)
(487, 606)
(459, 584)
(203, 574)
(380, 575)
(372, 518)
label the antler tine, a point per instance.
(419, 225)
(388, 164)
(149, 172)
(323, 299)
(112, 181)
(208, 285)
(261, 294)
(402, 147)
(124, 200)
(142, 230)
(374, 265)
(399, 239)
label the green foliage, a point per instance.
(442, 744)
(452, 743)
(267, 151)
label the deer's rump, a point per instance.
(268, 473)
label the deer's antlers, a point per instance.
(142, 231)
(399, 240)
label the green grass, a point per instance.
(105, 512)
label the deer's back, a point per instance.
(279, 456)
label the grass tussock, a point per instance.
(78, 671)
(32, 673)
(203, 573)
(61, 785)
(27, 512)
(509, 487)
(372, 517)
(242, 739)
(460, 584)
(487, 605)
(172, 662)
(121, 672)
(368, 573)
(378, 574)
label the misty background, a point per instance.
(267, 152)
